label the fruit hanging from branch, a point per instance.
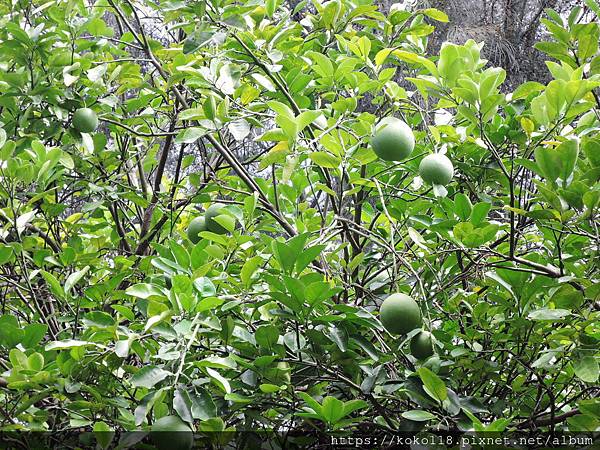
(393, 139)
(85, 120)
(421, 345)
(194, 229)
(400, 314)
(436, 169)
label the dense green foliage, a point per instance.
(112, 318)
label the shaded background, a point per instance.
(509, 29)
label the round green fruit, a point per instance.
(195, 227)
(213, 211)
(400, 314)
(85, 120)
(170, 432)
(436, 169)
(421, 345)
(393, 139)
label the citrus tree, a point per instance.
(204, 205)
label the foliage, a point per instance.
(113, 319)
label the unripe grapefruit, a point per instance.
(170, 432)
(400, 314)
(212, 212)
(393, 139)
(421, 345)
(436, 169)
(85, 120)
(195, 227)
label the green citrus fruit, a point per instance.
(213, 211)
(85, 120)
(421, 345)
(170, 432)
(400, 314)
(195, 227)
(393, 139)
(436, 169)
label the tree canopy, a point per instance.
(112, 318)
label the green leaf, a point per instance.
(219, 380)
(590, 407)
(436, 14)
(332, 409)
(326, 160)
(382, 55)
(306, 118)
(33, 334)
(74, 278)
(148, 376)
(479, 213)
(527, 88)
(583, 422)
(205, 287)
(196, 40)
(498, 425)
(190, 135)
(144, 290)
(270, 6)
(269, 388)
(311, 402)
(417, 238)
(340, 337)
(586, 369)
(548, 314)
(433, 385)
(182, 404)
(284, 254)
(203, 407)
(98, 319)
(307, 256)
(353, 405)
(6, 253)
(417, 415)
(67, 343)
(156, 319)
(216, 362)
(249, 268)
(191, 114)
(103, 433)
(53, 283)
(462, 206)
(10, 332)
(591, 149)
(266, 335)
(209, 304)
